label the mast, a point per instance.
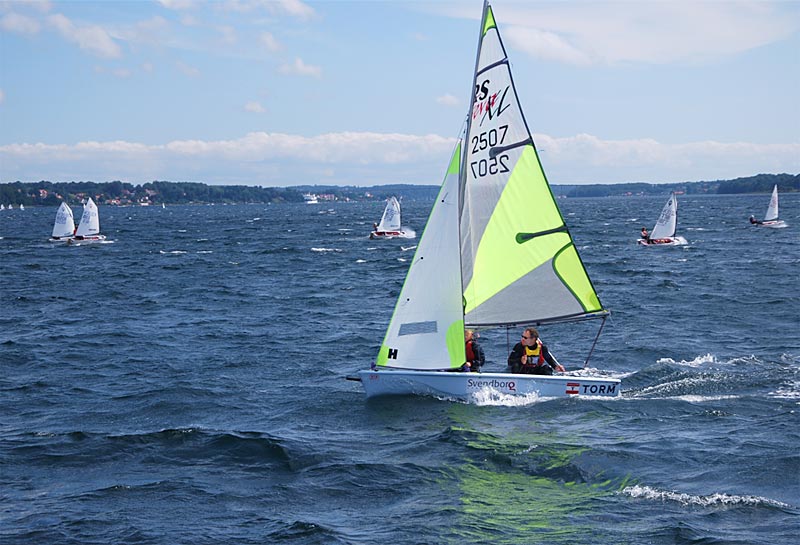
(462, 175)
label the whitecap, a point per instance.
(697, 362)
(173, 252)
(325, 250)
(710, 500)
(790, 391)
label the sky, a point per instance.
(361, 93)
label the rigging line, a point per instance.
(497, 150)
(586, 363)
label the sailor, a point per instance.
(532, 357)
(645, 234)
(754, 221)
(474, 352)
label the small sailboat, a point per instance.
(771, 217)
(495, 253)
(390, 227)
(64, 225)
(89, 227)
(663, 233)
(22, 207)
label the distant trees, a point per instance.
(762, 183)
(45, 193)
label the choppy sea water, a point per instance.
(186, 384)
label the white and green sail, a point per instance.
(495, 250)
(427, 328)
(519, 263)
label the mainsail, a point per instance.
(772, 209)
(391, 216)
(519, 263)
(668, 220)
(495, 250)
(64, 225)
(90, 220)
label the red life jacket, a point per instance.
(470, 352)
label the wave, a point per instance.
(711, 500)
(696, 362)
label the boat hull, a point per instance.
(388, 234)
(463, 386)
(667, 241)
(774, 224)
(87, 239)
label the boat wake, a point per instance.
(489, 397)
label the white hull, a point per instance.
(389, 234)
(88, 239)
(60, 239)
(463, 386)
(668, 241)
(774, 224)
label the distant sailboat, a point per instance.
(89, 227)
(390, 227)
(64, 225)
(663, 233)
(771, 217)
(22, 207)
(495, 253)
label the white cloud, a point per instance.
(255, 107)
(448, 100)
(647, 32)
(92, 38)
(293, 8)
(187, 70)
(270, 42)
(228, 34)
(178, 5)
(300, 68)
(374, 158)
(14, 22)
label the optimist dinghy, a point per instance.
(771, 217)
(663, 233)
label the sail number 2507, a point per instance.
(484, 140)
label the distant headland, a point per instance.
(45, 193)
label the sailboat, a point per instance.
(663, 234)
(390, 227)
(64, 225)
(771, 217)
(89, 227)
(495, 253)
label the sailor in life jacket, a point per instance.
(473, 351)
(532, 357)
